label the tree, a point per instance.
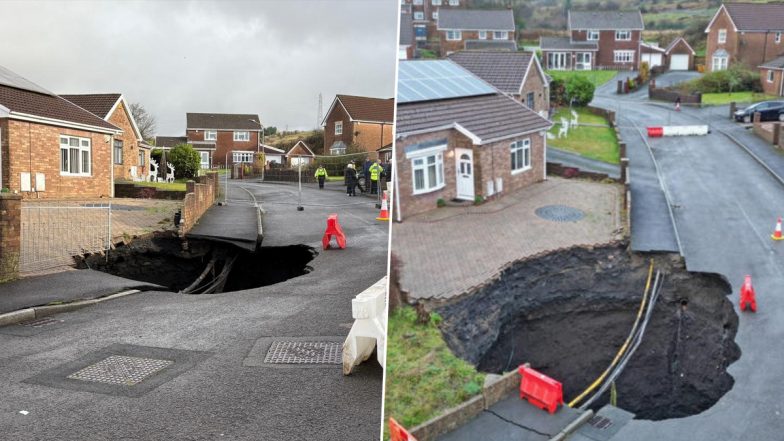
(579, 89)
(144, 121)
(185, 160)
(271, 130)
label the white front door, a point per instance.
(583, 61)
(205, 159)
(556, 60)
(465, 174)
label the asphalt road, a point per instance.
(222, 395)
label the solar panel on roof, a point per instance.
(437, 79)
(9, 78)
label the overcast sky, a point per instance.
(270, 58)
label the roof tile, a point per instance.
(362, 108)
(503, 70)
(477, 19)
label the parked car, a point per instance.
(769, 111)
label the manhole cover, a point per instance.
(121, 370)
(560, 213)
(304, 352)
(600, 422)
(37, 323)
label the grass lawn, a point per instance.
(597, 77)
(178, 185)
(427, 54)
(592, 142)
(717, 99)
(424, 378)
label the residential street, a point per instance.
(220, 386)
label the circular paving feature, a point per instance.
(560, 213)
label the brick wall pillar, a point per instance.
(733, 109)
(777, 134)
(10, 232)
(757, 118)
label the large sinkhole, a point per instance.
(160, 258)
(569, 312)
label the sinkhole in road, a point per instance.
(567, 313)
(205, 266)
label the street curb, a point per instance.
(753, 155)
(23, 315)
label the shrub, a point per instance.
(185, 160)
(5, 190)
(580, 89)
(478, 200)
(645, 71)
(440, 203)
(557, 93)
(736, 78)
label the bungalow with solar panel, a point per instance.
(476, 29)
(49, 146)
(517, 74)
(460, 139)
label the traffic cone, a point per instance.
(384, 215)
(777, 232)
(747, 296)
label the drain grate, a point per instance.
(121, 370)
(304, 352)
(37, 323)
(560, 213)
(600, 422)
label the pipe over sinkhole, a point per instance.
(567, 313)
(204, 267)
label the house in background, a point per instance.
(772, 76)
(652, 54)
(517, 74)
(464, 141)
(363, 122)
(224, 138)
(747, 33)
(130, 154)
(460, 29)
(49, 146)
(597, 39)
(273, 154)
(680, 55)
(425, 13)
(300, 154)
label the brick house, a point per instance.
(680, 55)
(300, 153)
(363, 122)
(49, 146)
(772, 76)
(597, 40)
(747, 33)
(459, 28)
(130, 154)
(224, 138)
(517, 74)
(652, 54)
(424, 15)
(461, 143)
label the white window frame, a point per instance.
(419, 2)
(417, 37)
(719, 66)
(520, 155)
(83, 147)
(210, 135)
(435, 15)
(243, 156)
(530, 100)
(454, 2)
(419, 15)
(424, 159)
(722, 37)
(140, 160)
(770, 76)
(591, 34)
(338, 128)
(482, 35)
(623, 56)
(337, 150)
(117, 147)
(500, 35)
(242, 136)
(454, 35)
(777, 38)
(623, 35)
(435, 2)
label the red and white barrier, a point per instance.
(369, 309)
(658, 132)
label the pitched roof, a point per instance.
(300, 146)
(223, 121)
(675, 42)
(485, 118)
(651, 48)
(605, 20)
(170, 141)
(477, 19)
(565, 43)
(495, 45)
(363, 108)
(272, 150)
(503, 70)
(777, 63)
(97, 103)
(25, 99)
(406, 30)
(756, 16)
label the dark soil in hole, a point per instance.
(569, 312)
(159, 258)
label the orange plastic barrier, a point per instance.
(540, 390)
(333, 230)
(398, 432)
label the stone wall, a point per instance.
(199, 197)
(10, 229)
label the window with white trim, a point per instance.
(419, 15)
(338, 128)
(722, 36)
(210, 135)
(623, 35)
(623, 56)
(242, 156)
(118, 147)
(420, 32)
(428, 172)
(778, 37)
(418, 2)
(454, 2)
(242, 136)
(75, 156)
(435, 15)
(521, 155)
(719, 63)
(593, 35)
(141, 158)
(770, 76)
(500, 35)
(483, 35)
(337, 151)
(436, 2)
(454, 35)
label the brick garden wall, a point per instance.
(10, 230)
(199, 197)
